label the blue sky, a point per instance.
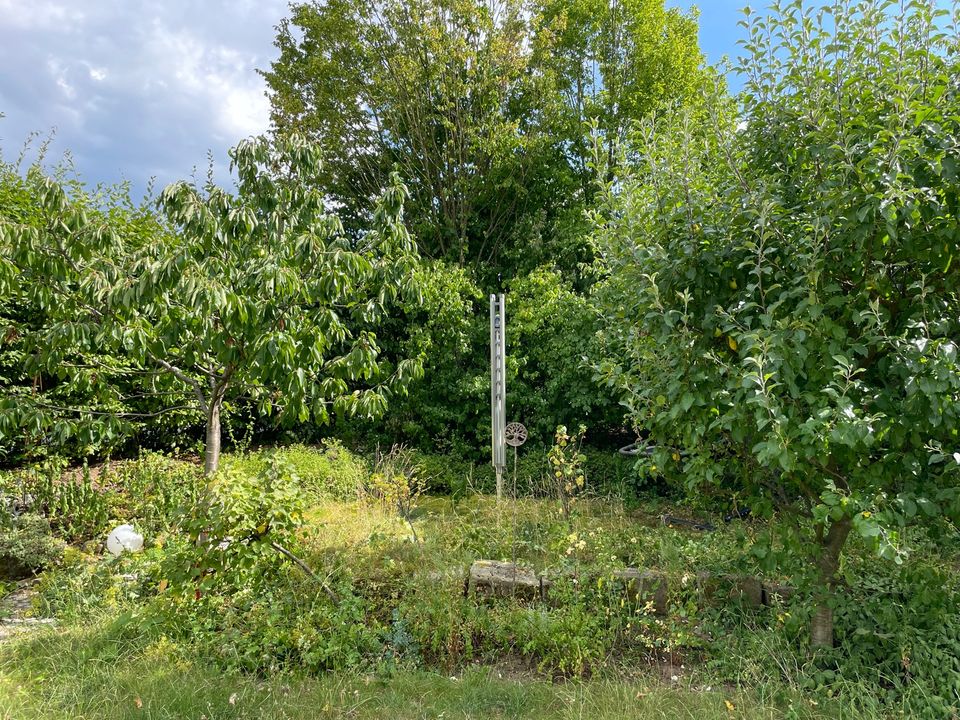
(136, 89)
(719, 30)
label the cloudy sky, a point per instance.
(137, 89)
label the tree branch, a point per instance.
(101, 413)
(181, 375)
(306, 569)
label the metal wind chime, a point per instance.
(502, 434)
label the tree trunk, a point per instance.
(821, 629)
(211, 455)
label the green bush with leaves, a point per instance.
(27, 546)
(333, 471)
(551, 336)
(897, 635)
(329, 470)
(153, 491)
(78, 508)
(782, 300)
(85, 587)
(444, 328)
(234, 582)
(240, 530)
(900, 632)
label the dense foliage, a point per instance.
(26, 546)
(761, 289)
(85, 400)
(484, 109)
(481, 106)
(257, 294)
(271, 571)
(791, 260)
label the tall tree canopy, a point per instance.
(258, 294)
(485, 108)
(793, 261)
(482, 107)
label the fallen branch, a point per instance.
(306, 568)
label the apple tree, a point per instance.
(783, 304)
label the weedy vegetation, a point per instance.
(283, 387)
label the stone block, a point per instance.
(708, 585)
(645, 586)
(774, 593)
(491, 578)
(746, 588)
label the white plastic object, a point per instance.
(124, 537)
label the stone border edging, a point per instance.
(494, 578)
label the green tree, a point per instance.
(551, 336)
(783, 301)
(84, 400)
(482, 108)
(423, 86)
(612, 63)
(257, 295)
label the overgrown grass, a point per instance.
(87, 674)
(257, 624)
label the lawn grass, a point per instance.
(82, 674)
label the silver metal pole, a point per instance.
(493, 380)
(502, 370)
(498, 388)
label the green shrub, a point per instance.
(83, 586)
(235, 531)
(897, 642)
(531, 474)
(281, 625)
(443, 474)
(84, 503)
(155, 490)
(900, 632)
(330, 470)
(444, 625)
(27, 546)
(608, 472)
(228, 584)
(78, 508)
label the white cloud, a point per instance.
(214, 76)
(59, 74)
(245, 112)
(39, 14)
(136, 88)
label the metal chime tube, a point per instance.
(498, 387)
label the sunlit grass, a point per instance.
(86, 674)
